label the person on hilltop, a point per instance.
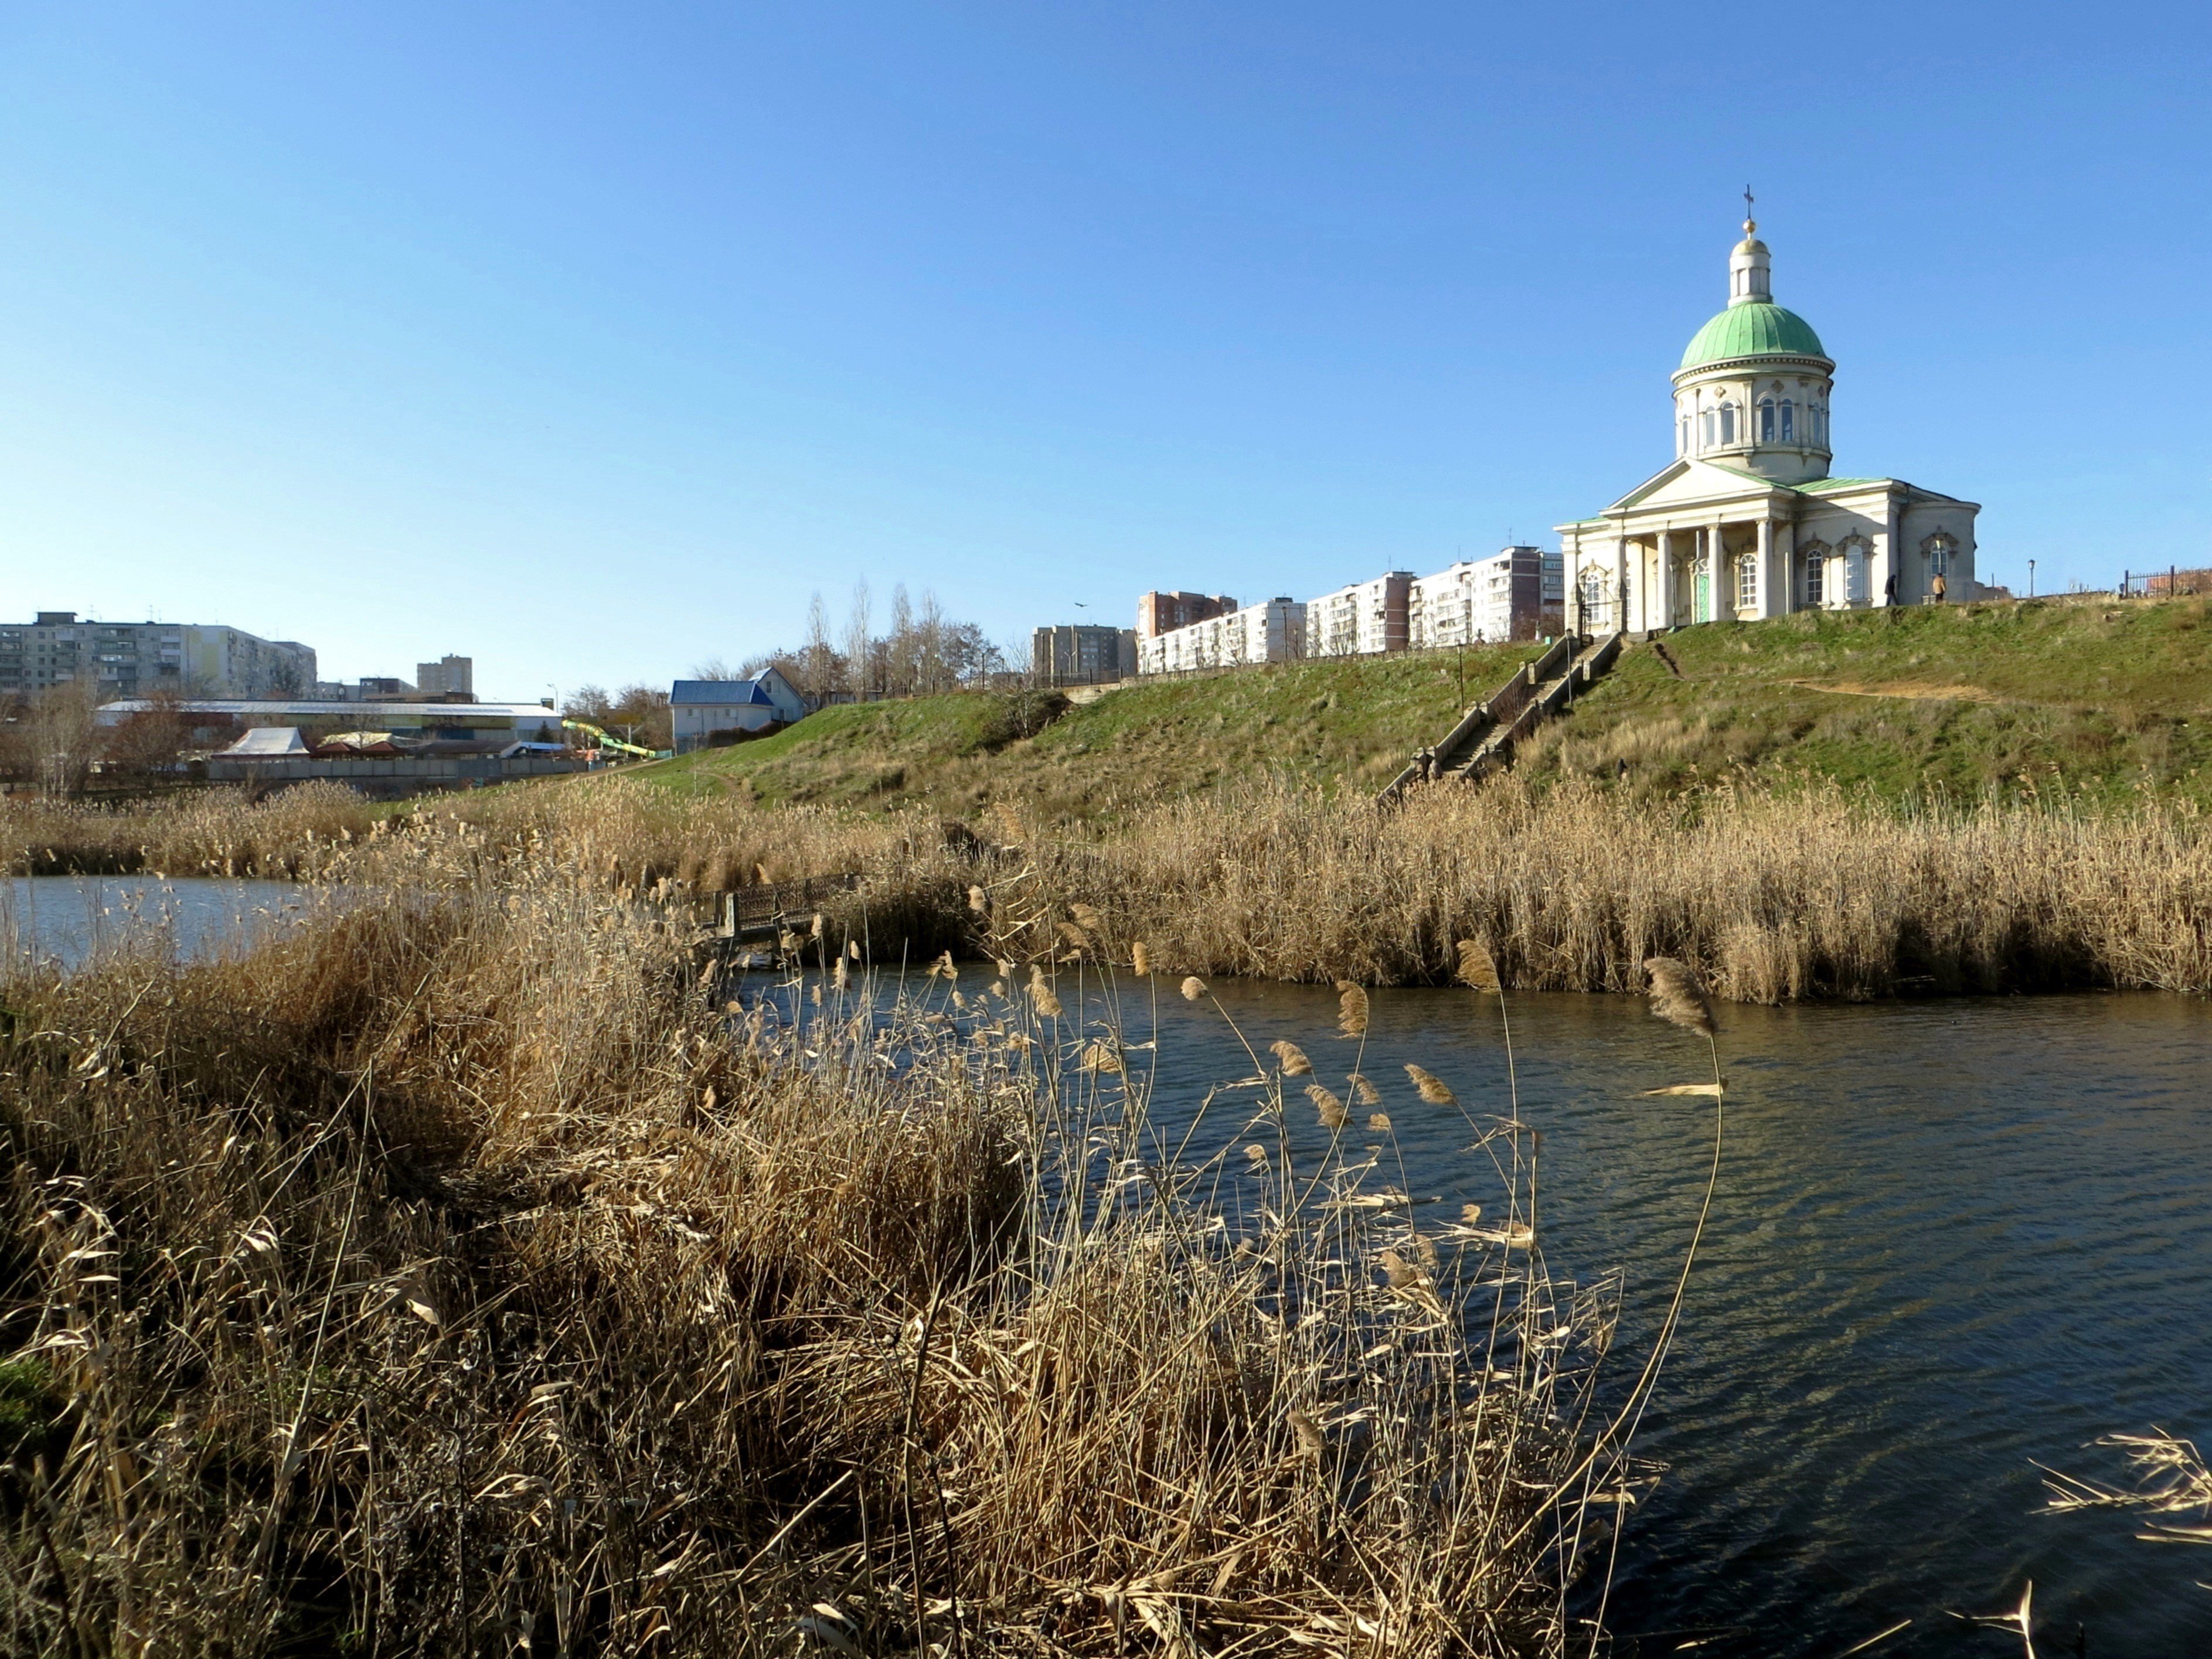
(1939, 587)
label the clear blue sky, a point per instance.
(590, 341)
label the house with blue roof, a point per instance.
(699, 710)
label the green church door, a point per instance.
(1701, 587)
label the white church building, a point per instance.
(1745, 522)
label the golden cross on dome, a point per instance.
(1750, 224)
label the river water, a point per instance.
(1953, 1239)
(71, 919)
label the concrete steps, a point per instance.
(1485, 738)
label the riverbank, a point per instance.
(1775, 894)
(465, 1269)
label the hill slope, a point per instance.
(1355, 719)
(2102, 697)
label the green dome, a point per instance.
(1758, 328)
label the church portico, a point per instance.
(1746, 522)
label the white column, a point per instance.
(1764, 577)
(1785, 567)
(1659, 605)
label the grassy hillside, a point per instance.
(1355, 719)
(2102, 697)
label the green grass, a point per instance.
(1355, 721)
(2097, 698)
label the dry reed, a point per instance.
(457, 1272)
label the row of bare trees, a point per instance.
(921, 650)
(53, 741)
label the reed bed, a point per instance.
(1770, 896)
(465, 1270)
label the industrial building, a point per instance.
(139, 660)
(444, 722)
(1083, 654)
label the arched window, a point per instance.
(1855, 571)
(1594, 593)
(1682, 436)
(1815, 576)
(1706, 426)
(1727, 422)
(1747, 585)
(1789, 421)
(1937, 548)
(1767, 420)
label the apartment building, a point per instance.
(1516, 594)
(448, 677)
(1271, 631)
(137, 659)
(1087, 654)
(1365, 619)
(1162, 613)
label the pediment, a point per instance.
(1687, 481)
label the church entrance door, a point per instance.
(1701, 584)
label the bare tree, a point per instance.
(588, 703)
(53, 741)
(819, 674)
(857, 643)
(715, 669)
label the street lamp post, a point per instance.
(2031, 579)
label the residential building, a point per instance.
(448, 677)
(1273, 631)
(1514, 594)
(701, 710)
(1083, 654)
(138, 659)
(1365, 619)
(1162, 613)
(1746, 521)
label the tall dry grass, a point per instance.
(462, 1272)
(1770, 896)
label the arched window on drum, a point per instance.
(1789, 421)
(1767, 420)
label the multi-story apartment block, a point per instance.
(1162, 613)
(1515, 595)
(138, 659)
(1092, 654)
(1365, 619)
(448, 677)
(1274, 631)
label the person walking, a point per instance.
(1889, 589)
(1939, 587)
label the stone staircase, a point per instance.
(1483, 739)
